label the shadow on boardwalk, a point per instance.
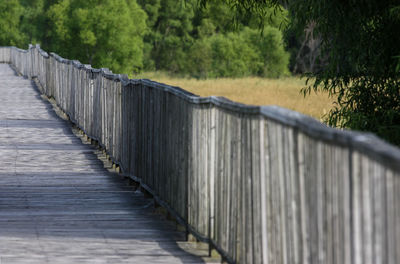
(58, 204)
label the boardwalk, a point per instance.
(57, 202)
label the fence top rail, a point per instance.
(366, 143)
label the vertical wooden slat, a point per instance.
(263, 187)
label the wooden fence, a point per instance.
(260, 184)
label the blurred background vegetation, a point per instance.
(131, 36)
(348, 50)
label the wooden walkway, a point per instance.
(58, 204)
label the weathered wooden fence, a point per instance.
(261, 184)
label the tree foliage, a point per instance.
(104, 33)
(131, 35)
(170, 24)
(185, 39)
(33, 20)
(361, 46)
(10, 13)
(239, 54)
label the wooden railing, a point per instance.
(260, 184)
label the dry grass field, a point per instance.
(253, 90)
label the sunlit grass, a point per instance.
(284, 92)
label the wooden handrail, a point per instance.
(260, 184)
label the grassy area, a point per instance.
(253, 90)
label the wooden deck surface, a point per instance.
(58, 204)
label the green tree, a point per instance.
(33, 20)
(237, 54)
(104, 33)
(361, 45)
(10, 14)
(151, 7)
(253, 13)
(273, 59)
(220, 13)
(170, 23)
(203, 42)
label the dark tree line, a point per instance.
(357, 57)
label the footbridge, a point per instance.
(99, 168)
